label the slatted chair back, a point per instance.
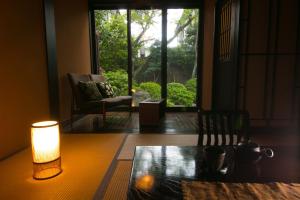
(222, 127)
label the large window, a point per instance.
(146, 54)
(132, 41)
(111, 37)
(182, 42)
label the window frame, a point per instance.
(163, 7)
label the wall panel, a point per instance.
(269, 61)
(283, 91)
(73, 47)
(258, 31)
(287, 27)
(255, 90)
(23, 69)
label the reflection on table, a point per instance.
(158, 171)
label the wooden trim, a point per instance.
(164, 59)
(129, 52)
(267, 64)
(225, 82)
(246, 59)
(236, 49)
(93, 45)
(296, 68)
(269, 54)
(215, 54)
(273, 89)
(199, 92)
(150, 4)
(50, 36)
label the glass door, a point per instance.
(182, 43)
(111, 39)
(146, 55)
(150, 53)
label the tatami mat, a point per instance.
(85, 160)
(118, 185)
(132, 141)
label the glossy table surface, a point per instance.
(157, 171)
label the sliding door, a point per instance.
(112, 48)
(146, 54)
(150, 53)
(182, 44)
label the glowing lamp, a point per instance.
(45, 145)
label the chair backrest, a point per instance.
(222, 127)
(97, 77)
(74, 79)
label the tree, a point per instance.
(111, 26)
(112, 29)
(188, 23)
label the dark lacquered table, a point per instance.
(157, 171)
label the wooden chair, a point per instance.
(222, 127)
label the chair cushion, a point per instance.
(125, 97)
(116, 101)
(91, 106)
(89, 90)
(105, 89)
(97, 77)
(127, 100)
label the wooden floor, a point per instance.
(116, 122)
(173, 123)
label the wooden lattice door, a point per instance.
(226, 54)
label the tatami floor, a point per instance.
(91, 161)
(176, 129)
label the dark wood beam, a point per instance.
(129, 46)
(52, 70)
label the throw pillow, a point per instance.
(90, 90)
(105, 89)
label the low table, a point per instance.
(158, 171)
(151, 112)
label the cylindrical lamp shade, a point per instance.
(45, 145)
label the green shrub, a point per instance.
(118, 80)
(191, 85)
(152, 88)
(179, 95)
(170, 103)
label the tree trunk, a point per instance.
(180, 28)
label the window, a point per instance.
(130, 53)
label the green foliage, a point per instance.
(152, 88)
(191, 85)
(179, 95)
(118, 80)
(112, 30)
(170, 103)
(111, 27)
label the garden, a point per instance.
(111, 29)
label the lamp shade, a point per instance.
(45, 143)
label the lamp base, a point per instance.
(47, 170)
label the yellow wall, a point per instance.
(23, 82)
(73, 49)
(23, 67)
